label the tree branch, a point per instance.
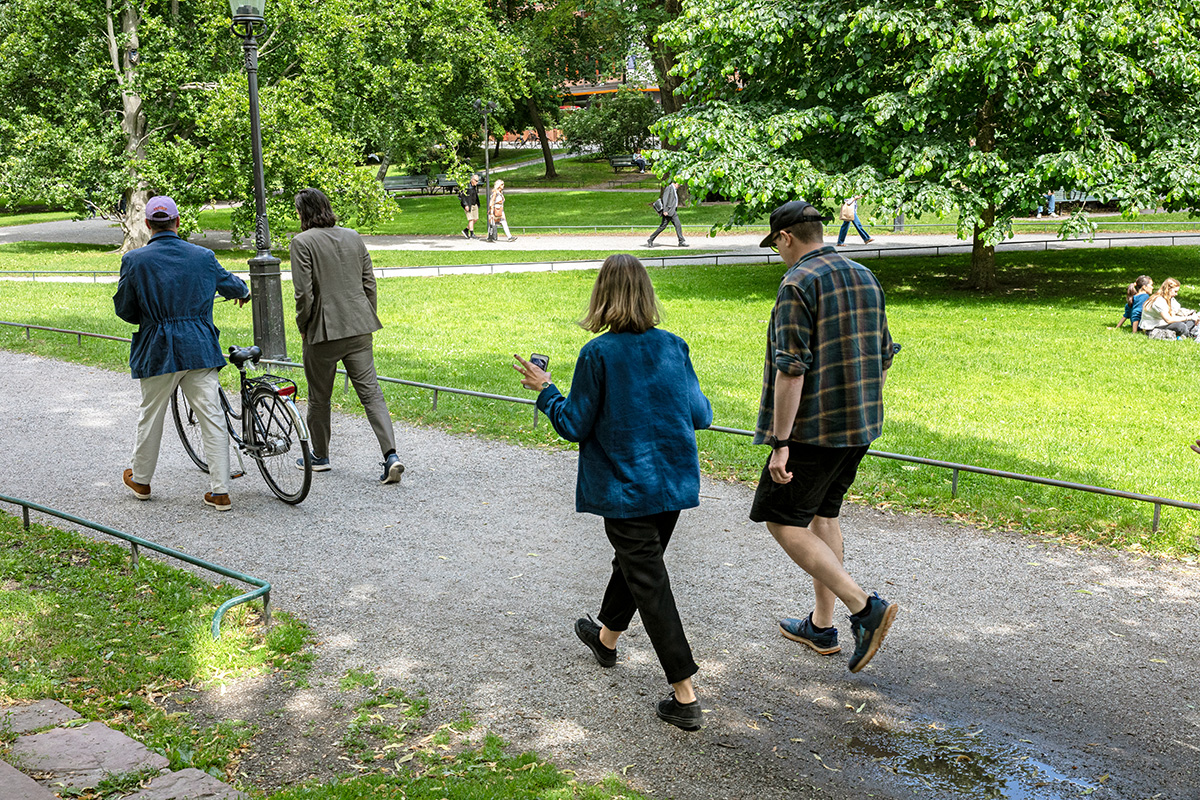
(112, 44)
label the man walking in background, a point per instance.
(667, 206)
(166, 288)
(828, 352)
(469, 200)
(335, 312)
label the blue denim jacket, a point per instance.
(634, 407)
(166, 288)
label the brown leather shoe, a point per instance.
(218, 501)
(140, 490)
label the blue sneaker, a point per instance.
(318, 464)
(392, 469)
(870, 626)
(802, 630)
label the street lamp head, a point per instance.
(247, 11)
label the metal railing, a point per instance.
(955, 468)
(263, 589)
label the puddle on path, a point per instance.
(966, 764)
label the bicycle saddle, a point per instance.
(240, 355)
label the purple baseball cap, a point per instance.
(161, 209)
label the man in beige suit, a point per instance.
(335, 312)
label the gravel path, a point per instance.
(1016, 668)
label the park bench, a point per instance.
(619, 163)
(406, 183)
(444, 184)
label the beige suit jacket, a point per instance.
(334, 283)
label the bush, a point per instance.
(617, 125)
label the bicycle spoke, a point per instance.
(277, 446)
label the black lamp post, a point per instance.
(266, 284)
(487, 192)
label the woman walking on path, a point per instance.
(634, 407)
(849, 214)
(496, 214)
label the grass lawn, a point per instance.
(424, 215)
(61, 257)
(1030, 379)
(27, 217)
(577, 172)
(78, 626)
(120, 646)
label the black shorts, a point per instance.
(821, 476)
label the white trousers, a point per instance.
(200, 387)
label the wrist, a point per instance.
(774, 442)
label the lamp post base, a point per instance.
(266, 290)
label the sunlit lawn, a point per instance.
(103, 260)
(1029, 380)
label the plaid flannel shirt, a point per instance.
(828, 325)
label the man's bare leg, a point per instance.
(816, 557)
(829, 531)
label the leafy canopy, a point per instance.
(970, 107)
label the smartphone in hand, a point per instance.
(542, 362)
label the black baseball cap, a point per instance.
(788, 215)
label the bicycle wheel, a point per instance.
(188, 425)
(277, 446)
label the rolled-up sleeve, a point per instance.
(794, 322)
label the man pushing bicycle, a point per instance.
(166, 288)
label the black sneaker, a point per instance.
(392, 469)
(869, 627)
(466, 233)
(681, 715)
(802, 630)
(589, 633)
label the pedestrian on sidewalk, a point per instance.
(634, 407)
(469, 200)
(849, 214)
(667, 206)
(335, 312)
(496, 216)
(166, 288)
(828, 352)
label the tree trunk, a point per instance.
(384, 163)
(540, 126)
(133, 125)
(664, 59)
(983, 257)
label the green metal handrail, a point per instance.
(263, 590)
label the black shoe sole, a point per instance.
(889, 616)
(603, 659)
(683, 723)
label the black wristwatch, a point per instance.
(774, 442)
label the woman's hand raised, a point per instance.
(532, 376)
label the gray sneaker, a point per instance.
(318, 464)
(802, 630)
(869, 627)
(392, 469)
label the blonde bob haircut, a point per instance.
(623, 299)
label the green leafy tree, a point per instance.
(562, 41)
(972, 108)
(615, 125)
(103, 104)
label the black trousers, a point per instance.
(639, 583)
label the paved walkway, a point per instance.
(1016, 669)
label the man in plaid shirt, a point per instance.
(828, 352)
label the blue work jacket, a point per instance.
(166, 289)
(634, 408)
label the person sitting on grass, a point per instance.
(1161, 311)
(1135, 298)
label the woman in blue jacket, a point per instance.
(634, 408)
